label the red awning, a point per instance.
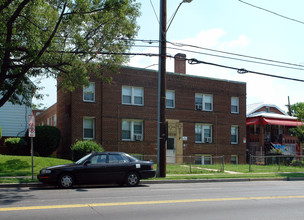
(276, 121)
(252, 121)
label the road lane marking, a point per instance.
(145, 203)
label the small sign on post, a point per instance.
(32, 134)
(31, 126)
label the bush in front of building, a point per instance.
(15, 145)
(82, 148)
(297, 163)
(46, 140)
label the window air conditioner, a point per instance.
(208, 140)
(198, 107)
(137, 137)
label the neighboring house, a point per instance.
(14, 121)
(206, 117)
(268, 128)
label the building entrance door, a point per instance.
(171, 150)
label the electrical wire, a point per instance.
(277, 14)
(241, 70)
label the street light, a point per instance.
(161, 125)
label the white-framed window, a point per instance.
(234, 134)
(203, 102)
(132, 130)
(132, 95)
(88, 128)
(203, 133)
(234, 159)
(89, 93)
(55, 120)
(235, 105)
(48, 121)
(203, 159)
(170, 99)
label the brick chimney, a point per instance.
(180, 63)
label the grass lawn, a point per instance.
(11, 166)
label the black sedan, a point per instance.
(97, 168)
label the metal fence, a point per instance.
(191, 164)
(204, 164)
(275, 160)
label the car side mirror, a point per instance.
(87, 163)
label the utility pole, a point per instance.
(161, 142)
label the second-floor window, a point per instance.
(203, 133)
(170, 99)
(234, 105)
(132, 130)
(203, 102)
(132, 95)
(89, 93)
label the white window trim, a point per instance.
(238, 105)
(237, 158)
(203, 158)
(132, 134)
(203, 97)
(202, 133)
(133, 95)
(86, 138)
(84, 92)
(173, 91)
(237, 134)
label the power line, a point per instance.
(296, 66)
(241, 70)
(277, 14)
(232, 58)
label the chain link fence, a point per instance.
(275, 161)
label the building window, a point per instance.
(234, 159)
(203, 159)
(203, 102)
(54, 120)
(88, 128)
(170, 99)
(234, 105)
(203, 133)
(132, 95)
(132, 130)
(234, 134)
(267, 109)
(48, 121)
(89, 93)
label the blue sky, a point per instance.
(230, 26)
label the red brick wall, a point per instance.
(109, 112)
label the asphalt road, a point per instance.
(220, 200)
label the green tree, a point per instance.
(69, 39)
(297, 110)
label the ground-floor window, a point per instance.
(234, 159)
(132, 130)
(203, 159)
(88, 128)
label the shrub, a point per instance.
(46, 140)
(82, 148)
(15, 145)
(297, 163)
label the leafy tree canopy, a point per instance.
(297, 110)
(69, 39)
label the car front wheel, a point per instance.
(66, 181)
(132, 179)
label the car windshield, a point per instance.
(80, 161)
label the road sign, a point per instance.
(31, 126)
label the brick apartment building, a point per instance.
(206, 117)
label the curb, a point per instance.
(41, 185)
